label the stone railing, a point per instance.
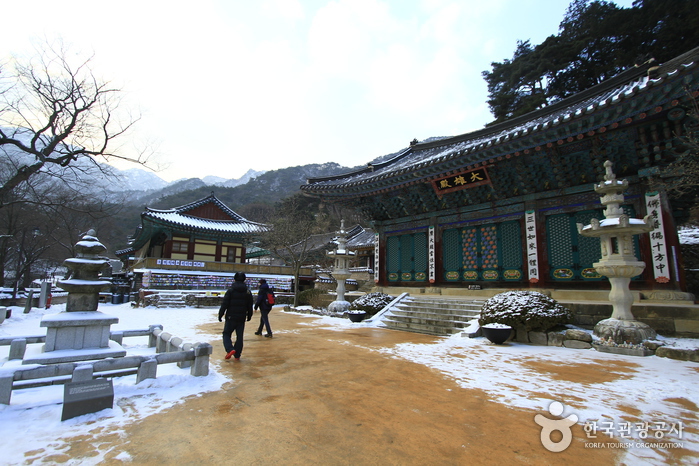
(169, 349)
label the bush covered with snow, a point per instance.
(371, 303)
(528, 309)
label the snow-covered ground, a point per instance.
(517, 375)
(37, 411)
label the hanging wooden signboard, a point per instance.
(461, 180)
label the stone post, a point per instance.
(200, 368)
(341, 270)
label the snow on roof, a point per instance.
(689, 235)
(179, 216)
(420, 155)
(174, 217)
(612, 222)
(363, 239)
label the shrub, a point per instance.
(312, 297)
(528, 309)
(371, 303)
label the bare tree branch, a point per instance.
(54, 113)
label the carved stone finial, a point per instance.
(609, 174)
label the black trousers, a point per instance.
(237, 326)
(264, 322)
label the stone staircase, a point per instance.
(433, 315)
(176, 300)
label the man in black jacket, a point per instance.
(237, 306)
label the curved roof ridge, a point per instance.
(609, 92)
(182, 210)
(627, 76)
(369, 168)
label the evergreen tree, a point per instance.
(596, 40)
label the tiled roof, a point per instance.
(155, 220)
(211, 199)
(175, 218)
(561, 120)
(362, 239)
(178, 216)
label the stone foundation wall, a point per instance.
(666, 319)
(579, 339)
(570, 338)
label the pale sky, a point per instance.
(226, 86)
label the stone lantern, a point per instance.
(341, 270)
(618, 262)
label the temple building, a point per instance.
(199, 245)
(498, 208)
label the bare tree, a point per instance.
(291, 231)
(25, 244)
(55, 116)
(58, 123)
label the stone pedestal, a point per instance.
(624, 331)
(339, 306)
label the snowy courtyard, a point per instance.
(621, 391)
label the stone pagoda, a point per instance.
(81, 332)
(618, 262)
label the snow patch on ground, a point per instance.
(37, 411)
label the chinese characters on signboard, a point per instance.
(658, 246)
(532, 253)
(467, 179)
(376, 258)
(430, 254)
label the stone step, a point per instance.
(459, 317)
(445, 312)
(171, 300)
(421, 328)
(432, 316)
(428, 320)
(444, 304)
(434, 307)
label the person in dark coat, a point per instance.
(263, 305)
(237, 307)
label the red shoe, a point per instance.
(230, 353)
(237, 359)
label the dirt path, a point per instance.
(313, 395)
